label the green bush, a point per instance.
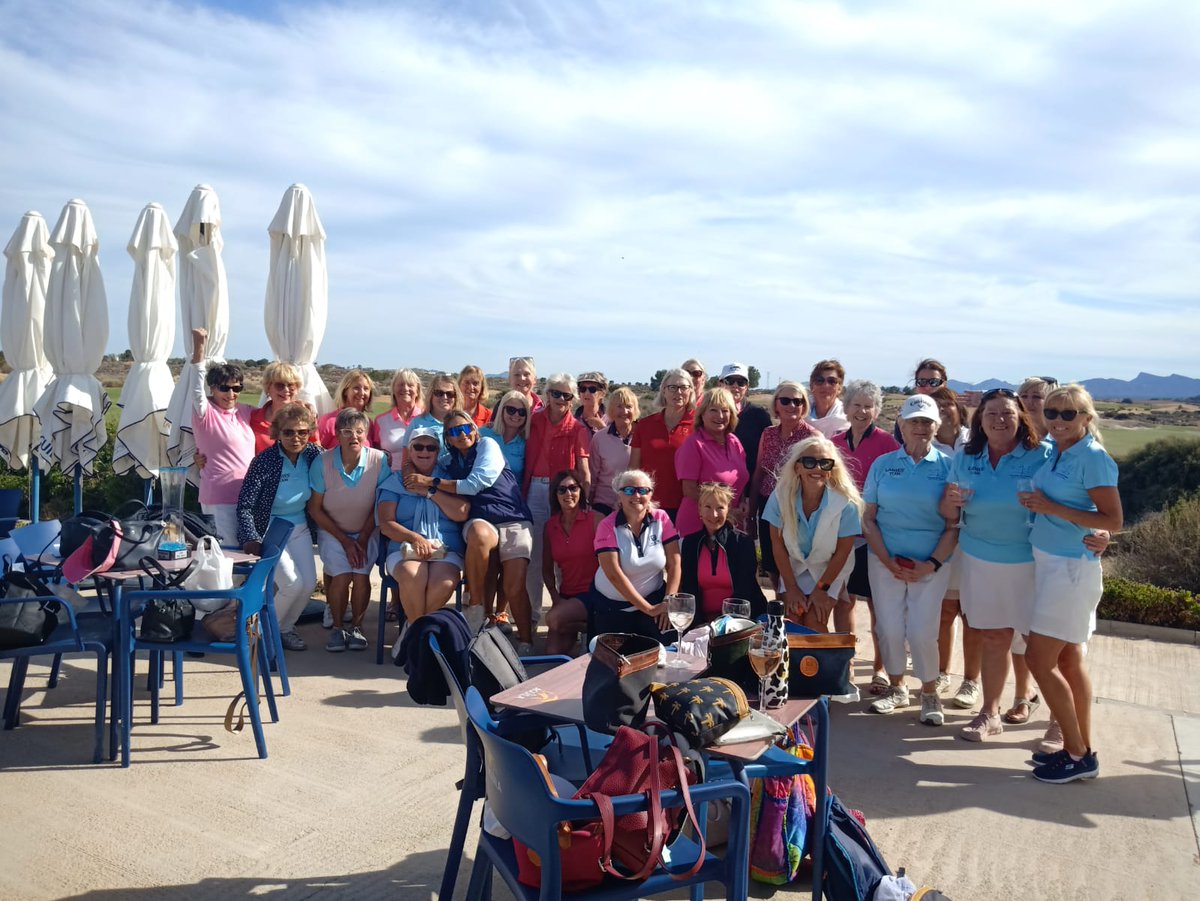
(1158, 475)
(1163, 548)
(1135, 602)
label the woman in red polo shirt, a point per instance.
(656, 438)
(569, 542)
(557, 441)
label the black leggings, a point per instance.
(607, 615)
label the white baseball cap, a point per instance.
(921, 406)
(734, 370)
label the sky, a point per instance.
(1011, 187)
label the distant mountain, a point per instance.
(959, 387)
(1144, 387)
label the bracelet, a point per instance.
(937, 564)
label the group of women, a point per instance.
(995, 516)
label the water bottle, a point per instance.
(776, 692)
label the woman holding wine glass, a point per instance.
(718, 561)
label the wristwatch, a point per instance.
(937, 564)
(433, 487)
(824, 586)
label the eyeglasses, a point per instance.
(735, 382)
(825, 380)
(822, 463)
(352, 433)
(459, 431)
(1066, 415)
(639, 490)
(928, 383)
(791, 401)
(589, 389)
(423, 448)
(677, 389)
(295, 433)
(236, 389)
(568, 489)
(997, 392)
(444, 395)
(560, 395)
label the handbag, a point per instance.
(819, 663)
(140, 534)
(492, 664)
(616, 686)
(29, 624)
(580, 848)
(729, 653)
(165, 620)
(77, 529)
(702, 710)
(211, 570)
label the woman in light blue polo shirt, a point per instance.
(1074, 493)
(911, 543)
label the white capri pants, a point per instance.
(907, 611)
(225, 516)
(295, 578)
(539, 506)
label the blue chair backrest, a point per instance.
(10, 501)
(278, 533)
(456, 692)
(9, 551)
(36, 537)
(253, 591)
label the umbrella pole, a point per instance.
(35, 489)
(78, 487)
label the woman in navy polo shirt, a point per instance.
(638, 549)
(1074, 493)
(911, 543)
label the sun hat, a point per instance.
(597, 377)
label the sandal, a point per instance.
(1021, 710)
(879, 684)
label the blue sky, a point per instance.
(1011, 187)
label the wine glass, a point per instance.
(966, 492)
(766, 654)
(1025, 486)
(681, 610)
(736, 607)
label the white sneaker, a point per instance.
(967, 695)
(327, 618)
(931, 709)
(983, 727)
(943, 683)
(896, 698)
(852, 697)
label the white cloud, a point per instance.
(1010, 187)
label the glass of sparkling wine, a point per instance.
(765, 656)
(1025, 486)
(681, 610)
(967, 492)
(736, 607)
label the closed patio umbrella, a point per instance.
(142, 432)
(71, 411)
(298, 291)
(203, 303)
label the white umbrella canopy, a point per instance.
(203, 303)
(298, 291)
(71, 411)
(26, 279)
(141, 441)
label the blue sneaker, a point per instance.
(1065, 769)
(1041, 758)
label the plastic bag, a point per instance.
(212, 570)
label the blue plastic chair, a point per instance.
(279, 532)
(82, 633)
(10, 505)
(252, 599)
(522, 803)
(37, 538)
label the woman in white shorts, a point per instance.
(425, 554)
(910, 544)
(343, 482)
(1074, 493)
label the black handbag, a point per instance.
(702, 710)
(165, 620)
(819, 663)
(79, 528)
(492, 664)
(616, 686)
(31, 623)
(729, 654)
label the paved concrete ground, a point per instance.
(357, 797)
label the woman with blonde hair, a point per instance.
(522, 376)
(712, 453)
(718, 561)
(658, 436)
(393, 424)
(611, 448)
(695, 369)
(442, 396)
(355, 391)
(815, 513)
(281, 385)
(473, 385)
(510, 428)
(1032, 395)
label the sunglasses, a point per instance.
(295, 433)
(444, 395)
(791, 401)
(589, 389)
(516, 411)
(423, 448)
(459, 431)
(997, 392)
(695, 373)
(928, 383)
(236, 389)
(568, 489)
(825, 380)
(282, 387)
(822, 463)
(560, 395)
(639, 490)
(736, 382)
(1066, 415)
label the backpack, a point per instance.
(492, 664)
(853, 865)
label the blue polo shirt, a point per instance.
(415, 511)
(291, 497)
(514, 453)
(995, 526)
(849, 524)
(1066, 479)
(907, 495)
(316, 475)
(426, 421)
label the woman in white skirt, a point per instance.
(910, 543)
(1074, 493)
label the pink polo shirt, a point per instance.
(703, 459)
(226, 439)
(874, 444)
(391, 428)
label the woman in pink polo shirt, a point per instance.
(393, 424)
(712, 453)
(355, 391)
(569, 543)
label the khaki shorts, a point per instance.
(515, 538)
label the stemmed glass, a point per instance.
(966, 492)
(736, 607)
(766, 653)
(681, 610)
(1025, 486)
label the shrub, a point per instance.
(1134, 602)
(1158, 475)
(1164, 548)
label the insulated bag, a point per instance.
(616, 686)
(819, 662)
